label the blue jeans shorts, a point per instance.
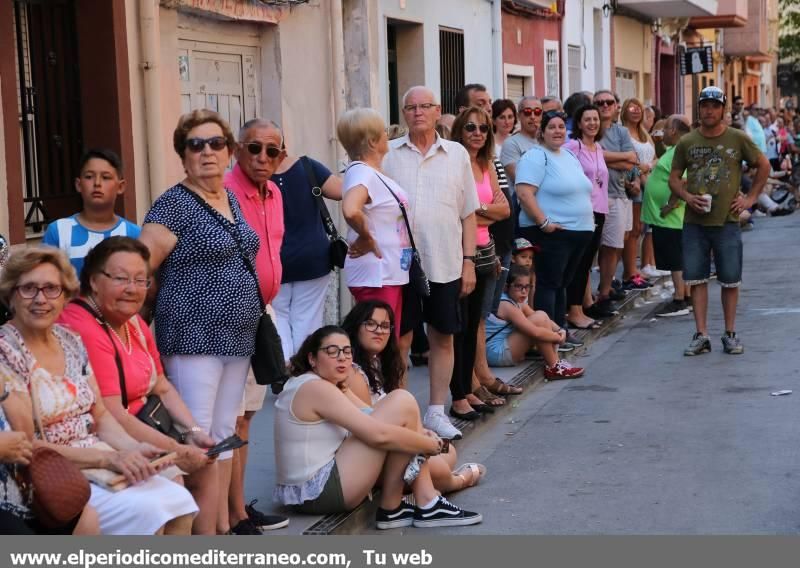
(725, 242)
(498, 354)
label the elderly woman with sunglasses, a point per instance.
(557, 214)
(207, 305)
(374, 207)
(49, 372)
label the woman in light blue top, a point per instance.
(556, 202)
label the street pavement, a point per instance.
(649, 441)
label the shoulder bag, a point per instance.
(56, 487)
(153, 413)
(338, 246)
(416, 274)
(268, 362)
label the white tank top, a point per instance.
(302, 448)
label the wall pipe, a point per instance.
(148, 29)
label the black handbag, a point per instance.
(338, 246)
(416, 274)
(153, 413)
(267, 362)
(485, 259)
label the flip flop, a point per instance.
(478, 471)
(502, 388)
(594, 325)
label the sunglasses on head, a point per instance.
(216, 143)
(531, 111)
(605, 102)
(255, 149)
(551, 114)
(471, 127)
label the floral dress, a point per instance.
(11, 499)
(64, 401)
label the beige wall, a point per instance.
(633, 47)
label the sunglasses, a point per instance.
(255, 149)
(605, 102)
(216, 143)
(531, 111)
(551, 114)
(472, 127)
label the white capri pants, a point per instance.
(299, 308)
(212, 388)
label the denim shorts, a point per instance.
(726, 243)
(498, 354)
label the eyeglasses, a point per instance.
(423, 106)
(122, 281)
(334, 351)
(531, 111)
(605, 102)
(373, 326)
(30, 291)
(196, 145)
(471, 127)
(522, 287)
(255, 149)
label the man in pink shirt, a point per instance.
(258, 153)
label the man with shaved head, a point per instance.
(663, 211)
(437, 177)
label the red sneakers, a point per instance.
(562, 370)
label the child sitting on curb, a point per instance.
(516, 328)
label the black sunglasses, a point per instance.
(471, 127)
(216, 143)
(255, 149)
(605, 102)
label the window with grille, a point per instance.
(451, 66)
(551, 79)
(574, 67)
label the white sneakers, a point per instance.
(651, 271)
(440, 424)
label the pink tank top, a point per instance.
(484, 196)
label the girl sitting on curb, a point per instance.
(516, 328)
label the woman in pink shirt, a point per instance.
(473, 129)
(586, 132)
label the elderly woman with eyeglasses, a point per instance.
(207, 306)
(49, 372)
(557, 215)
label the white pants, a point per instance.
(212, 388)
(299, 309)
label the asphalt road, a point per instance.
(652, 442)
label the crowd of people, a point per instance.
(470, 243)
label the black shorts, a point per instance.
(441, 310)
(668, 248)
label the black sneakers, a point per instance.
(445, 514)
(402, 516)
(245, 527)
(673, 309)
(262, 521)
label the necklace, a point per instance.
(126, 345)
(597, 179)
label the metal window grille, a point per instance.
(574, 67)
(451, 66)
(551, 82)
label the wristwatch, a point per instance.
(484, 208)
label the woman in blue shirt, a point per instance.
(555, 197)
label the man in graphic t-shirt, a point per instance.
(712, 157)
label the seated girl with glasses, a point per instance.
(516, 327)
(329, 454)
(378, 369)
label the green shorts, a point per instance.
(330, 501)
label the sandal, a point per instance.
(488, 398)
(594, 325)
(477, 470)
(500, 387)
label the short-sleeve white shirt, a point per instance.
(385, 221)
(441, 192)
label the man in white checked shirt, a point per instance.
(437, 176)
